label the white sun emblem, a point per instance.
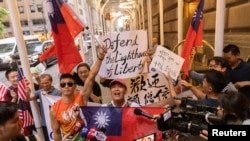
(101, 119)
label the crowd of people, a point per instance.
(225, 85)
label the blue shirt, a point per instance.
(38, 93)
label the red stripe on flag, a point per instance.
(21, 90)
(3, 91)
(26, 118)
(21, 85)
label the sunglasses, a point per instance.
(70, 84)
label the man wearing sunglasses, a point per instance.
(65, 113)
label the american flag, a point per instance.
(3, 91)
(21, 85)
(24, 115)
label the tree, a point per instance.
(3, 14)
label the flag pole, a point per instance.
(180, 24)
(149, 12)
(219, 27)
(15, 19)
(93, 47)
(161, 15)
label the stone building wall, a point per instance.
(237, 23)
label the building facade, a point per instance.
(237, 25)
(34, 17)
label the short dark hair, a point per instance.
(83, 65)
(7, 111)
(217, 80)
(46, 75)
(235, 102)
(233, 48)
(67, 75)
(219, 61)
(8, 72)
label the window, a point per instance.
(72, 6)
(26, 32)
(24, 23)
(81, 13)
(37, 21)
(21, 9)
(39, 8)
(80, 2)
(32, 9)
(6, 24)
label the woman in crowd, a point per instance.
(83, 70)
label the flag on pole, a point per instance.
(3, 91)
(193, 36)
(121, 124)
(21, 85)
(24, 115)
(65, 27)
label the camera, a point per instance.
(187, 119)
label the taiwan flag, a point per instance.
(121, 124)
(193, 36)
(65, 27)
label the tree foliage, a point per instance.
(3, 15)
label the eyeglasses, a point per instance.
(219, 108)
(213, 66)
(70, 84)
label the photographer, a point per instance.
(234, 108)
(213, 83)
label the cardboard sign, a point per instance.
(126, 51)
(166, 61)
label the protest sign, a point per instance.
(126, 51)
(147, 88)
(167, 61)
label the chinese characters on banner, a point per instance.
(167, 61)
(126, 50)
(147, 88)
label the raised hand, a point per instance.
(76, 111)
(102, 50)
(13, 95)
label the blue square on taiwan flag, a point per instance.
(107, 118)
